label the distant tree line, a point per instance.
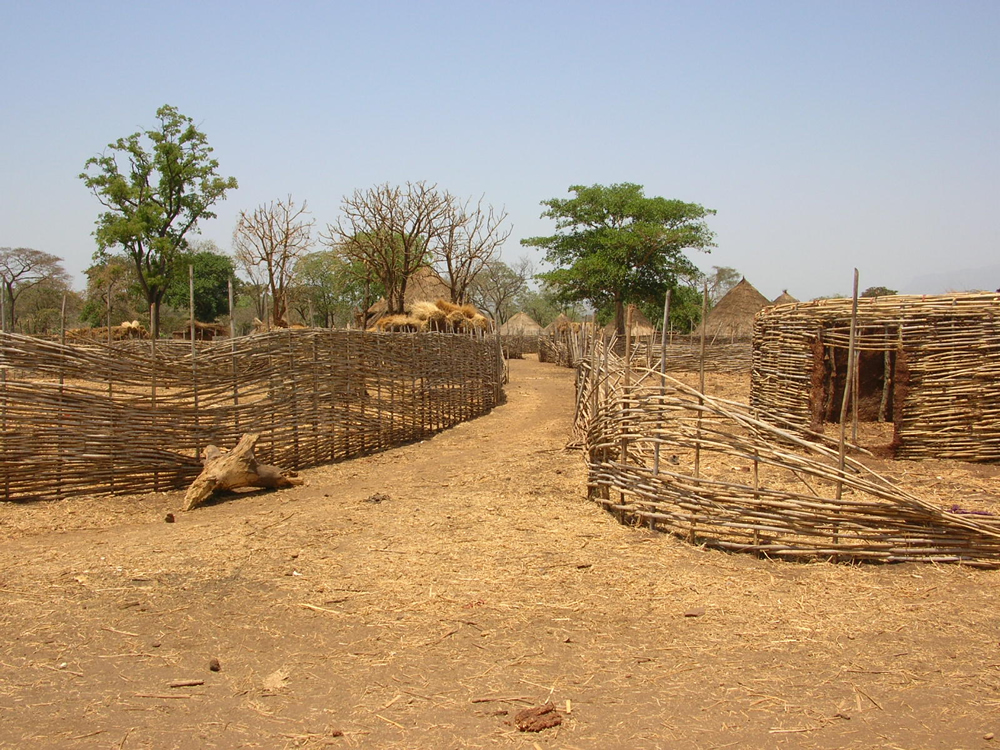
(613, 246)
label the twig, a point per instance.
(395, 724)
(179, 696)
(314, 608)
(120, 632)
(877, 704)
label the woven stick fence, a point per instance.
(662, 454)
(568, 348)
(935, 367)
(96, 419)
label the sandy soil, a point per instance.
(420, 598)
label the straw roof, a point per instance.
(732, 317)
(522, 324)
(561, 323)
(784, 298)
(425, 285)
(640, 324)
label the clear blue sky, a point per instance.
(827, 135)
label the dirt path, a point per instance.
(481, 583)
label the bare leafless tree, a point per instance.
(475, 235)
(22, 268)
(391, 231)
(267, 243)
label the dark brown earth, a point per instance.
(421, 598)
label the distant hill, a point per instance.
(986, 279)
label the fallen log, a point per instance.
(238, 468)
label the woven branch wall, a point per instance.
(93, 419)
(567, 349)
(661, 454)
(935, 362)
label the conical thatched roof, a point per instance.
(423, 286)
(640, 324)
(732, 317)
(561, 323)
(784, 298)
(521, 324)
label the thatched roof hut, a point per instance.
(560, 325)
(520, 324)
(202, 331)
(732, 318)
(425, 285)
(928, 364)
(784, 299)
(640, 324)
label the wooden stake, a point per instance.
(194, 360)
(848, 393)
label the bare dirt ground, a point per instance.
(420, 598)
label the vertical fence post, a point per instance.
(60, 447)
(294, 398)
(663, 380)
(848, 395)
(701, 381)
(111, 401)
(236, 378)
(194, 364)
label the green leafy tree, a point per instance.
(330, 287)
(496, 287)
(614, 246)
(40, 307)
(155, 195)
(115, 278)
(213, 271)
(544, 305)
(878, 291)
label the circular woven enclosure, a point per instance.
(930, 365)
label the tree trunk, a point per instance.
(238, 468)
(619, 315)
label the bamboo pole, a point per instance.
(152, 388)
(194, 362)
(701, 376)
(111, 402)
(235, 368)
(663, 370)
(848, 394)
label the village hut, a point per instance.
(519, 336)
(424, 285)
(784, 299)
(202, 331)
(732, 317)
(561, 324)
(640, 324)
(930, 365)
(520, 324)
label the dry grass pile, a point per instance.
(440, 316)
(125, 331)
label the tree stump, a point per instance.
(238, 468)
